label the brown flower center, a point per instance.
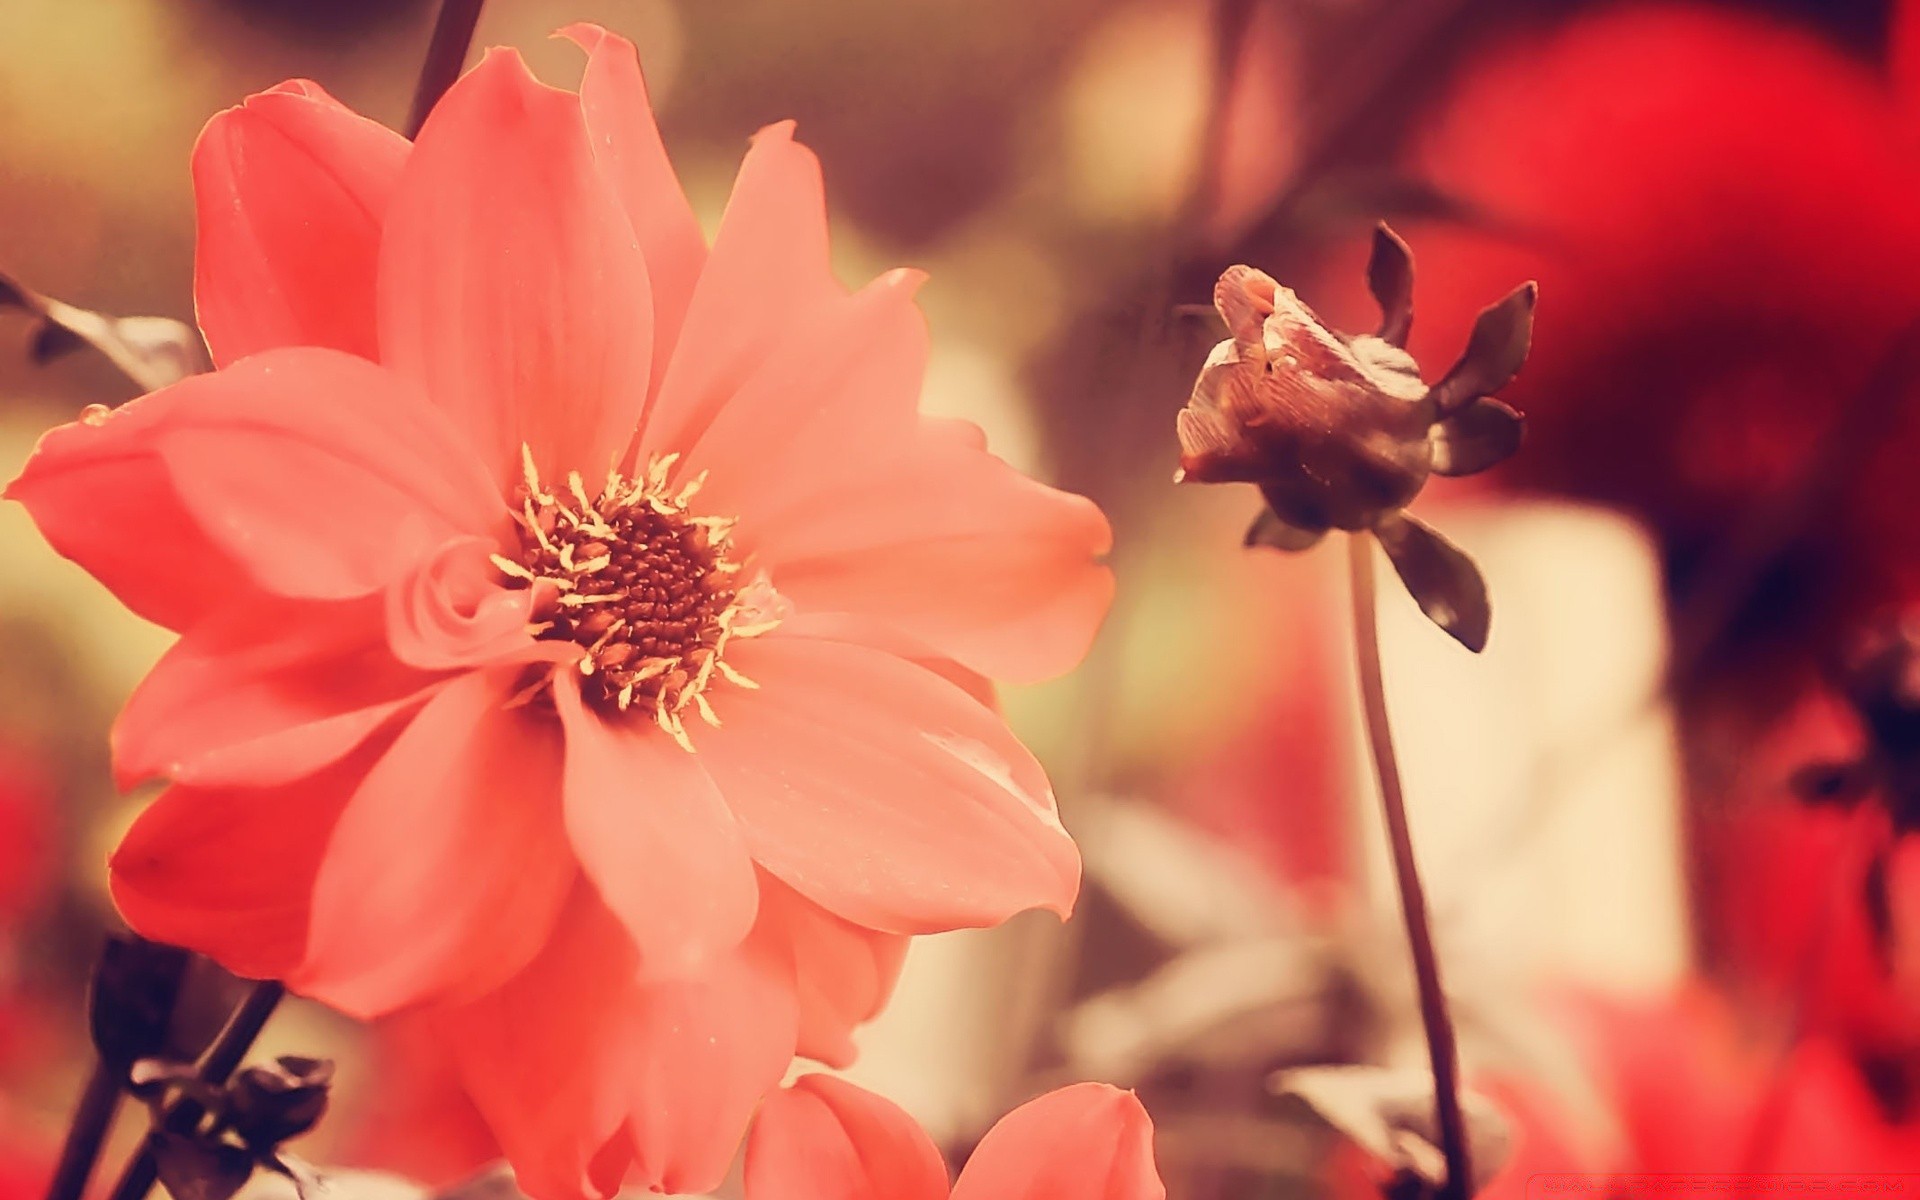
(648, 589)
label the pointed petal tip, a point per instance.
(778, 133)
(585, 34)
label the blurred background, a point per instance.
(1662, 956)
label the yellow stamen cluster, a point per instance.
(648, 589)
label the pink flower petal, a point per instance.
(449, 865)
(825, 1139)
(545, 1056)
(843, 973)
(511, 285)
(626, 143)
(706, 1051)
(654, 836)
(261, 693)
(768, 269)
(1084, 1142)
(455, 611)
(290, 190)
(229, 871)
(884, 793)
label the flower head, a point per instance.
(585, 642)
(825, 1139)
(1339, 431)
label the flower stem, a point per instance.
(216, 1065)
(1441, 1050)
(91, 1120)
(446, 52)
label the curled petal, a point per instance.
(654, 836)
(455, 612)
(883, 793)
(626, 143)
(448, 866)
(825, 1139)
(1244, 297)
(521, 306)
(262, 693)
(1495, 350)
(1390, 279)
(1443, 580)
(290, 190)
(1084, 1142)
(843, 973)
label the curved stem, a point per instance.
(216, 1065)
(91, 1121)
(446, 52)
(1441, 1050)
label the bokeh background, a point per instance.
(1660, 958)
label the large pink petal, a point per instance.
(263, 692)
(883, 792)
(825, 1139)
(545, 1057)
(229, 871)
(654, 835)
(511, 284)
(955, 549)
(290, 190)
(447, 868)
(843, 973)
(1084, 1142)
(768, 271)
(626, 142)
(103, 498)
(706, 1050)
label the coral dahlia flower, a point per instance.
(584, 640)
(825, 1139)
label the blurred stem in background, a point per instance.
(1442, 1051)
(446, 53)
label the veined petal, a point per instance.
(290, 190)
(825, 1139)
(884, 793)
(449, 865)
(229, 871)
(263, 692)
(956, 550)
(843, 973)
(707, 1049)
(626, 143)
(1084, 1142)
(768, 269)
(545, 1056)
(511, 285)
(654, 836)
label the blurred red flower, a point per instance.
(1723, 213)
(825, 1139)
(484, 706)
(29, 858)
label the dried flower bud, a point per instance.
(267, 1105)
(1340, 432)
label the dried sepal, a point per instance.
(1268, 529)
(199, 1168)
(1483, 434)
(151, 351)
(267, 1105)
(1443, 580)
(1390, 279)
(1502, 334)
(1389, 1113)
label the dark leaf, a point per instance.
(1483, 433)
(136, 987)
(1443, 580)
(151, 351)
(267, 1105)
(1501, 335)
(1839, 783)
(1390, 279)
(193, 1169)
(1268, 529)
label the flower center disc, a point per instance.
(645, 587)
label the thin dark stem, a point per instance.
(446, 53)
(216, 1065)
(91, 1121)
(1441, 1050)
